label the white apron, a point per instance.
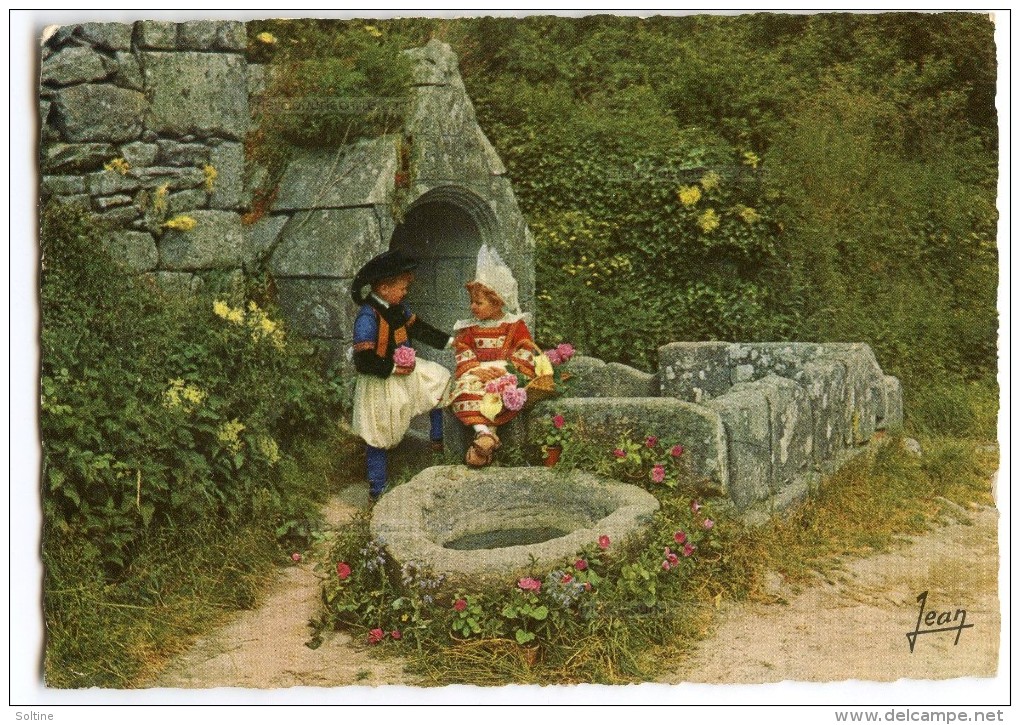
(384, 407)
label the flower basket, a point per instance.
(539, 389)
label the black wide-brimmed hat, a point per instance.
(386, 265)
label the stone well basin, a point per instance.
(496, 524)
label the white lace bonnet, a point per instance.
(493, 272)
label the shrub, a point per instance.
(157, 412)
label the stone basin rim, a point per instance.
(400, 519)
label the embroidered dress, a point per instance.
(488, 344)
(384, 403)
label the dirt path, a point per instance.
(854, 625)
(265, 647)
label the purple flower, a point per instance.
(676, 451)
(619, 453)
(708, 523)
(651, 441)
(603, 542)
(658, 474)
(343, 570)
(460, 605)
(554, 357)
(665, 565)
(688, 549)
(680, 537)
(565, 351)
(514, 398)
(580, 564)
(558, 421)
(376, 636)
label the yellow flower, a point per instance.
(491, 406)
(210, 173)
(181, 222)
(268, 448)
(748, 214)
(267, 38)
(159, 201)
(194, 395)
(172, 395)
(183, 395)
(542, 366)
(711, 181)
(120, 165)
(751, 159)
(227, 434)
(708, 220)
(373, 31)
(689, 195)
(221, 309)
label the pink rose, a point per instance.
(376, 636)
(580, 564)
(554, 357)
(343, 570)
(460, 605)
(295, 556)
(688, 549)
(395, 634)
(565, 351)
(514, 398)
(558, 421)
(676, 451)
(708, 523)
(680, 537)
(658, 474)
(603, 542)
(651, 441)
(529, 584)
(619, 453)
(492, 387)
(404, 356)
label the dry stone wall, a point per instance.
(145, 123)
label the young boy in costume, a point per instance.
(483, 347)
(392, 386)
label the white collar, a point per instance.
(507, 318)
(386, 305)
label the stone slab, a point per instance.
(694, 371)
(745, 415)
(62, 158)
(607, 420)
(75, 65)
(358, 175)
(135, 250)
(98, 112)
(893, 418)
(318, 307)
(197, 93)
(594, 378)
(228, 186)
(825, 383)
(260, 237)
(156, 34)
(326, 243)
(214, 243)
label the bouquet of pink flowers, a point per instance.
(404, 357)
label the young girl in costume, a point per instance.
(392, 386)
(483, 346)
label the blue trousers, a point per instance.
(375, 458)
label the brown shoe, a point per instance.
(480, 452)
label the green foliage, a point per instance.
(157, 412)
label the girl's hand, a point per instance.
(486, 374)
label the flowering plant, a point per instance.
(649, 460)
(556, 432)
(404, 356)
